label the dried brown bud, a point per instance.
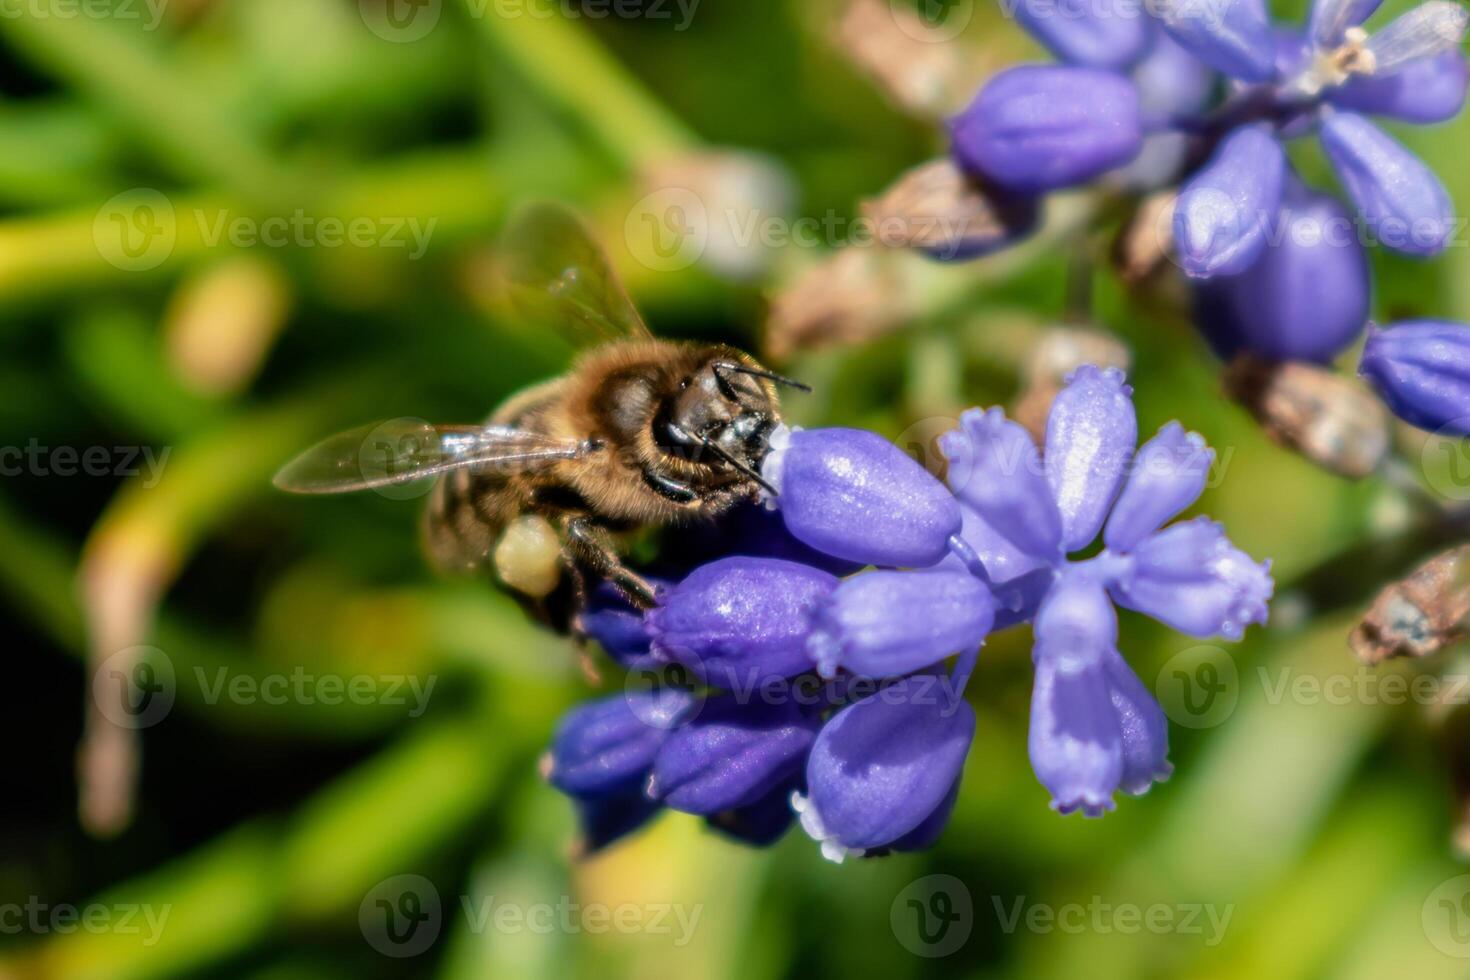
(917, 66)
(937, 208)
(848, 297)
(1330, 419)
(1057, 353)
(1420, 615)
(1146, 242)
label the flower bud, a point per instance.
(1080, 33)
(732, 755)
(995, 468)
(1171, 84)
(1223, 214)
(1090, 437)
(605, 747)
(1304, 299)
(1400, 197)
(882, 767)
(1426, 90)
(617, 627)
(1167, 475)
(886, 624)
(740, 622)
(763, 822)
(605, 820)
(855, 495)
(1189, 576)
(1421, 368)
(1041, 127)
(1231, 36)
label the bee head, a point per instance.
(726, 408)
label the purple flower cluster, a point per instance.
(1279, 270)
(827, 698)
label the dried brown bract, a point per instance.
(849, 297)
(937, 208)
(919, 68)
(1332, 420)
(1420, 615)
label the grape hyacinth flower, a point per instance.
(1094, 728)
(1277, 272)
(840, 700)
(1421, 369)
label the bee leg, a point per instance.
(590, 546)
(580, 640)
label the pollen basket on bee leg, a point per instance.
(528, 556)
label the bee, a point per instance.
(640, 432)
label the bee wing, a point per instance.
(557, 274)
(404, 450)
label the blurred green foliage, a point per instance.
(1318, 831)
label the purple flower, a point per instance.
(855, 495)
(1231, 36)
(740, 622)
(1426, 90)
(733, 755)
(1222, 215)
(605, 748)
(1041, 127)
(1400, 198)
(1304, 299)
(887, 624)
(1095, 729)
(1421, 369)
(882, 772)
(882, 767)
(1080, 33)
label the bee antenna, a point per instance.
(779, 379)
(735, 463)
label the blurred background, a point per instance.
(252, 736)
